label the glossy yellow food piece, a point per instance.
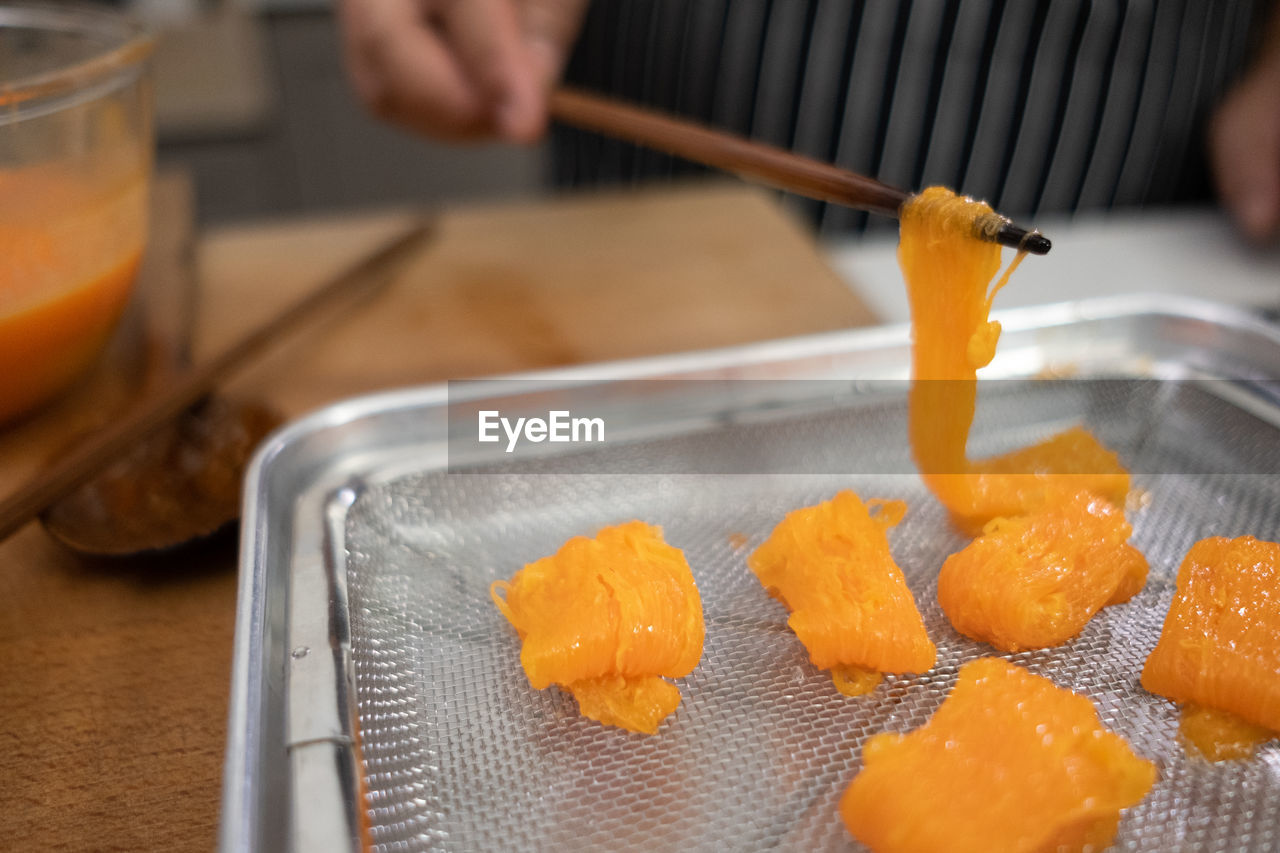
(1009, 762)
(608, 619)
(1220, 735)
(850, 605)
(1035, 580)
(948, 273)
(1220, 646)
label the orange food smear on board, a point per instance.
(948, 273)
(69, 252)
(1008, 762)
(1034, 581)
(608, 618)
(850, 605)
(1220, 645)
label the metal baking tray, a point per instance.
(377, 696)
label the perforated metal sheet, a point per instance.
(460, 753)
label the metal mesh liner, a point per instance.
(460, 753)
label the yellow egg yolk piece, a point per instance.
(850, 605)
(1035, 580)
(1008, 762)
(1220, 645)
(948, 271)
(608, 618)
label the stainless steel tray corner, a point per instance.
(295, 776)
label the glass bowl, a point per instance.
(76, 155)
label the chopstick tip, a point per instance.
(1027, 241)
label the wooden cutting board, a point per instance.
(496, 289)
(512, 287)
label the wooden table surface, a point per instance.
(114, 675)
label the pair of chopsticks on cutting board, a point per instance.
(763, 163)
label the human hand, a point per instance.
(460, 69)
(1244, 150)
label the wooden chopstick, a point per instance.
(756, 161)
(766, 164)
(105, 447)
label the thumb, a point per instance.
(485, 40)
(548, 30)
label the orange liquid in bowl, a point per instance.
(69, 252)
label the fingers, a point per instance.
(485, 38)
(549, 28)
(460, 69)
(404, 71)
(1244, 145)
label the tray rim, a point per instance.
(240, 818)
